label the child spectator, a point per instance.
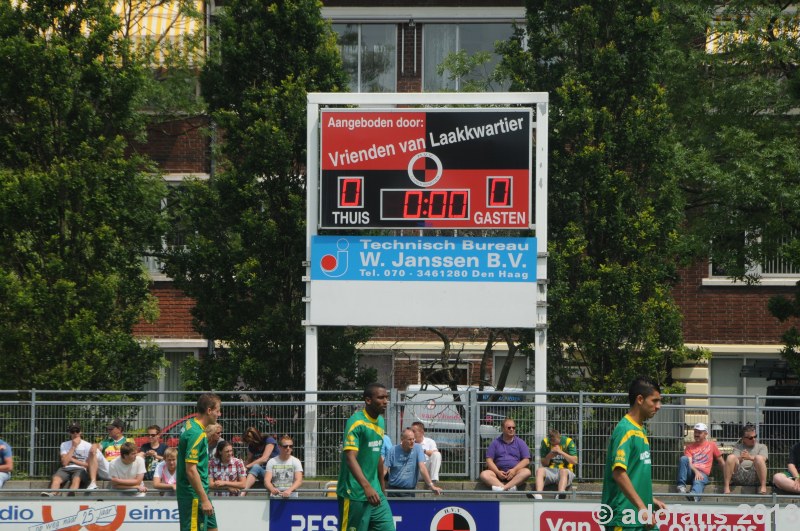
(164, 474)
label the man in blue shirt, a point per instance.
(6, 462)
(406, 462)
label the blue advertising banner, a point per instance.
(409, 515)
(423, 259)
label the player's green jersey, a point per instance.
(364, 435)
(567, 445)
(629, 449)
(192, 448)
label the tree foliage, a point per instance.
(734, 77)
(614, 203)
(76, 212)
(244, 228)
(735, 88)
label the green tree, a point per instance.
(245, 227)
(615, 206)
(735, 78)
(76, 212)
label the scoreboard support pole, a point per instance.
(312, 221)
(314, 102)
(539, 188)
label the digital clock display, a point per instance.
(420, 204)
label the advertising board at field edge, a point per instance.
(677, 517)
(512, 513)
(256, 512)
(432, 168)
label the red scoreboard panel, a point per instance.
(432, 168)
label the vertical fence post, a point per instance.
(757, 421)
(580, 434)
(472, 436)
(393, 428)
(32, 455)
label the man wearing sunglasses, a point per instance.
(747, 464)
(507, 460)
(284, 473)
(74, 462)
(152, 451)
(105, 452)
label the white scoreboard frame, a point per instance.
(338, 291)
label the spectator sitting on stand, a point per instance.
(406, 463)
(127, 470)
(164, 474)
(74, 454)
(696, 462)
(227, 475)
(507, 460)
(433, 457)
(747, 465)
(284, 474)
(6, 462)
(152, 451)
(214, 436)
(260, 449)
(385, 447)
(109, 449)
(558, 456)
(789, 481)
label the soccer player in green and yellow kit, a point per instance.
(628, 479)
(194, 507)
(360, 489)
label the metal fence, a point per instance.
(463, 424)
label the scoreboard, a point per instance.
(432, 168)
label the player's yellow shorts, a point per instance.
(362, 516)
(192, 517)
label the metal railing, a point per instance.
(34, 423)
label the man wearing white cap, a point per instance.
(695, 465)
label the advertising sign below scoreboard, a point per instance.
(426, 281)
(434, 168)
(409, 514)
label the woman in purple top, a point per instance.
(507, 460)
(260, 449)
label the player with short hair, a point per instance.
(628, 479)
(191, 486)
(361, 486)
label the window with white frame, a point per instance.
(775, 265)
(369, 55)
(440, 40)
